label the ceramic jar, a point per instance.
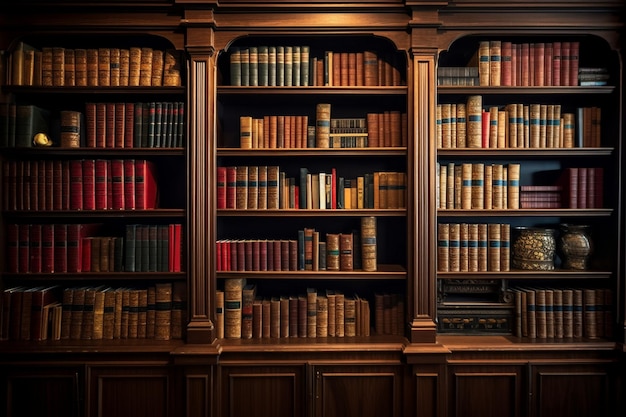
(533, 248)
(575, 245)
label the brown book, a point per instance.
(70, 67)
(145, 67)
(78, 305)
(494, 251)
(311, 324)
(266, 321)
(257, 318)
(339, 314)
(134, 66)
(124, 67)
(92, 67)
(98, 314)
(285, 315)
(163, 311)
(133, 314)
(58, 66)
(322, 125)
(346, 252)
(108, 314)
(219, 313)
(589, 315)
(274, 323)
(578, 303)
(247, 300)
(233, 294)
(46, 67)
(454, 247)
(142, 313)
(71, 128)
(171, 68)
(242, 187)
(350, 316)
(157, 68)
(114, 62)
(322, 316)
(104, 67)
(443, 247)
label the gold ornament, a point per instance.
(41, 139)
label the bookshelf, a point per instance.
(517, 123)
(99, 216)
(270, 235)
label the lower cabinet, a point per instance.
(40, 390)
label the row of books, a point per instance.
(93, 67)
(94, 312)
(563, 313)
(80, 184)
(241, 313)
(478, 186)
(61, 247)
(266, 187)
(293, 65)
(159, 124)
(387, 129)
(309, 252)
(583, 187)
(516, 125)
(473, 247)
(504, 63)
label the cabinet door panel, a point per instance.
(276, 391)
(363, 391)
(572, 390)
(485, 391)
(129, 391)
(55, 391)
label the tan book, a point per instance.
(322, 316)
(142, 313)
(104, 67)
(92, 67)
(46, 67)
(478, 186)
(568, 313)
(70, 67)
(311, 324)
(466, 187)
(330, 297)
(99, 313)
(124, 67)
(464, 247)
(115, 65)
(134, 66)
(578, 302)
(133, 313)
(346, 261)
(557, 301)
(80, 67)
(171, 68)
(219, 313)
(368, 243)
(322, 125)
(117, 313)
(151, 312)
(513, 183)
(58, 66)
(162, 329)
(443, 247)
(273, 195)
(78, 307)
(233, 299)
(549, 313)
(590, 328)
(483, 242)
(145, 67)
(493, 251)
(454, 244)
(253, 187)
(339, 314)
(157, 68)
(488, 185)
(474, 107)
(241, 193)
(350, 317)
(70, 128)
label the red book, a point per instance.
(12, 242)
(90, 125)
(284, 255)
(101, 125)
(277, 259)
(582, 188)
(24, 185)
(34, 184)
(233, 255)
(49, 190)
(34, 251)
(65, 185)
(23, 248)
(221, 187)
(565, 63)
(89, 184)
(539, 63)
(41, 185)
(146, 191)
(270, 255)
(256, 255)
(485, 120)
(218, 256)
(60, 247)
(75, 234)
(178, 247)
(574, 50)
(76, 184)
(525, 65)
(120, 121)
(531, 64)
(599, 187)
(231, 187)
(263, 255)
(241, 255)
(40, 298)
(129, 184)
(569, 181)
(249, 254)
(293, 255)
(47, 248)
(87, 249)
(101, 186)
(57, 185)
(556, 63)
(506, 61)
(129, 125)
(111, 130)
(117, 186)
(547, 72)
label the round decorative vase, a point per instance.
(575, 245)
(533, 248)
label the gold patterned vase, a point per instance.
(575, 245)
(534, 248)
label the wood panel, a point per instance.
(259, 391)
(40, 391)
(131, 391)
(486, 391)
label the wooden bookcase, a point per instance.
(422, 370)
